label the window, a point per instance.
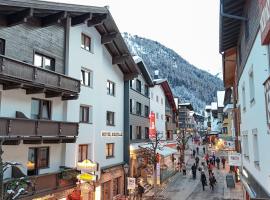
(161, 100)
(86, 113)
(157, 115)
(146, 90)
(255, 147)
(130, 105)
(110, 118)
(146, 133)
(138, 108)
(251, 87)
(82, 152)
(138, 85)
(161, 116)
(152, 95)
(116, 186)
(86, 42)
(38, 158)
(157, 98)
(40, 109)
(131, 83)
(138, 132)
(146, 111)
(110, 88)
(87, 77)
(44, 62)
(130, 132)
(244, 97)
(109, 150)
(245, 145)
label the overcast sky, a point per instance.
(190, 27)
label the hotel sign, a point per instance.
(265, 21)
(152, 129)
(111, 134)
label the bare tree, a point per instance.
(182, 143)
(150, 151)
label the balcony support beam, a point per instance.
(53, 19)
(97, 20)
(20, 17)
(108, 38)
(81, 19)
(35, 90)
(119, 59)
(12, 86)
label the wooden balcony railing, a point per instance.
(25, 75)
(17, 127)
(48, 183)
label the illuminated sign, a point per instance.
(87, 166)
(152, 129)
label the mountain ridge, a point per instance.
(188, 82)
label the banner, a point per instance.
(234, 159)
(152, 129)
(158, 173)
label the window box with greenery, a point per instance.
(110, 118)
(109, 150)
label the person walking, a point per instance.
(223, 160)
(203, 180)
(194, 169)
(203, 150)
(197, 159)
(197, 150)
(214, 159)
(207, 158)
(194, 152)
(210, 168)
(212, 181)
(140, 191)
(184, 168)
(218, 162)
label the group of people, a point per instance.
(213, 160)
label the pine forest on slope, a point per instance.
(188, 83)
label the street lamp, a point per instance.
(126, 169)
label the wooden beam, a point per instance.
(108, 38)
(53, 94)
(97, 20)
(53, 19)
(119, 59)
(81, 19)
(12, 86)
(20, 17)
(131, 76)
(74, 97)
(35, 90)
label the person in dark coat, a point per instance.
(197, 159)
(194, 152)
(197, 150)
(218, 162)
(212, 181)
(223, 160)
(214, 159)
(203, 180)
(194, 170)
(140, 191)
(203, 150)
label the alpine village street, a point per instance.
(91, 113)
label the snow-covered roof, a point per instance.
(220, 98)
(214, 106)
(208, 107)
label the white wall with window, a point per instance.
(158, 107)
(253, 118)
(104, 97)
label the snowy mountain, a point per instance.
(189, 83)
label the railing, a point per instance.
(28, 127)
(47, 183)
(18, 71)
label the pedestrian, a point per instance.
(194, 169)
(140, 191)
(194, 152)
(203, 180)
(203, 150)
(184, 168)
(223, 160)
(218, 162)
(207, 158)
(197, 150)
(197, 159)
(214, 159)
(210, 168)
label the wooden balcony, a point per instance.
(48, 183)
(37, 131)
(17, 74)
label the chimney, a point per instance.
(156, 74)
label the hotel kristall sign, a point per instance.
(111, 133)
(265, 21)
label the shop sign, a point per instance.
(111, 134)
(265, 21)
(87, 166)
(234, 159)
(152, 129)
(87, 177)
(131, 183)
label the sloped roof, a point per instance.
(51, 10)
(188, 105)
(167, 91)
(144, 70)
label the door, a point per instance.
(106, 190)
